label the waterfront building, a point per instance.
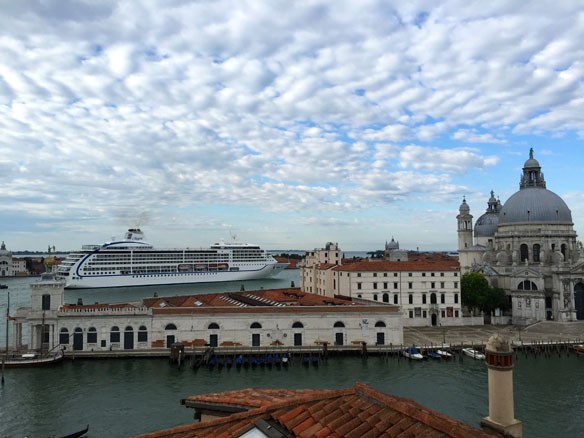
(19, 266)
(529, 248)
(358, 411)
(6, 269)
(426, 289)
(277, 317)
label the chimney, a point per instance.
(501, 419)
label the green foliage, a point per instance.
(477, 294)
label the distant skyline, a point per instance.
(287, 124)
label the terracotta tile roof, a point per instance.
(359, 411)
(416, 265)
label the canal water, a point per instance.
(124, 397)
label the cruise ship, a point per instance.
(134, 262)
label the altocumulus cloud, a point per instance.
(306, 108)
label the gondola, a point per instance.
(77, 434)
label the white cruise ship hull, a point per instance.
(133, 262)
(108, 281)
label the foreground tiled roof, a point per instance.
(359, 411)
(417, 265)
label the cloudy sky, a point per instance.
(287, 124)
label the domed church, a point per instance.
(527, 247)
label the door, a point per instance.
(169, 340)
(255, 340)
(213, 340)
(380, 338)
(579, 301)
(129, 338)
(297, 338)
(434, 320)
(78, 339)
(339, 338)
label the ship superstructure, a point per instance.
(134, 262)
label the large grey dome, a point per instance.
(486, 225)
(535, 205)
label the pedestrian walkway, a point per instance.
(545, 331)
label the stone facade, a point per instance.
(282, 317)
(532, 252)
(6, 269)
(428, 292)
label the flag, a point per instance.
(10, 318)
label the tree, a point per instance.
(477, 294)
(474, 290)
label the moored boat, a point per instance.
(134, 262)
(413, 353)
(475, 354)
(445, 354)
(31, 360)
(579, 348)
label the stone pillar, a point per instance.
(499, 358)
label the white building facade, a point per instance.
(529, 248)
(281, 317)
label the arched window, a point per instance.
(524, 252)
(433, 298)
(395, 299)
(142, 334)
(115, 334)
(455, 298)
(213, 326)
(536, 250)
(563, 250)
(386, 298)
(339, 324)
(64, 336)
(442, 298)
(411, 298)
(256, 325)
(527, 285)
(170, 327)
(380, 324)
(297, 324)
(92, 335)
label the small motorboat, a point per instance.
(31, 359)
(445, 354)
(3, 286)
(475, 354)
(413, 353)
(579, 348)
(77, 434)
(433, 355)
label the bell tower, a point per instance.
(464, 226)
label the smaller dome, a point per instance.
(392, 245)
(531, 163)
(4, 252)
(486, 225)
(464, 208)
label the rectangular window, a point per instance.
(358, 274)
(456, 274)
(424, 314)
(375, 274)
(409, 274)
(423, 274)
(410, 285)
(395, 274)
(432, 274)
(411, 313)
(374, 297)
(394, 298)
(410, 298)
(443, 314)
(442, 274)
(455, 298)
(374, 285)
(46, 303)
(456, 313)
(441, 285)
(433, 285)
(385, 285)
(359, 286)
(442, 299)
(418, 312)
(395, 285)
(424, 299)
(456, 285)
(385, 274)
